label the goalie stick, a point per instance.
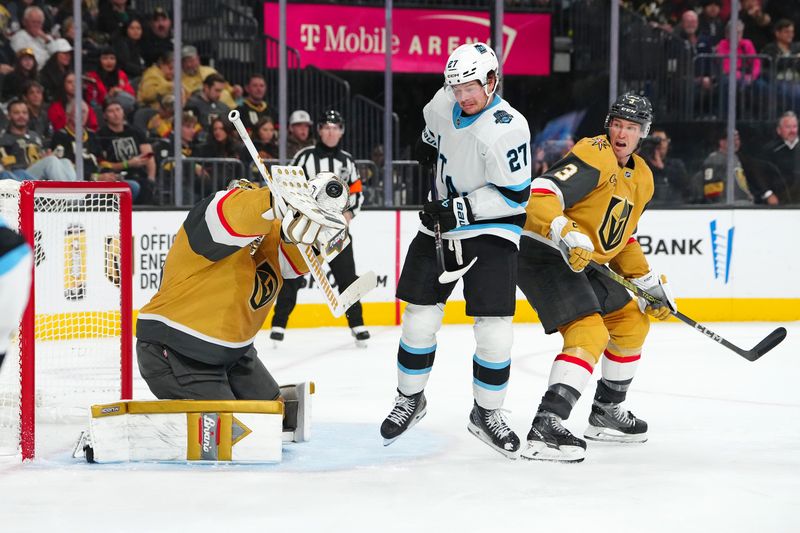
(766, 344)
(337, 303)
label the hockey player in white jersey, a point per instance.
(16, 260)
(480, 146)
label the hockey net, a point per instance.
(74, 344)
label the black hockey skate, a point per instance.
(491, 427)
(407, 411)
(276, 336)
(361, 335)
(609, 422)
(549, 440)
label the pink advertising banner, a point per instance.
(352, 38)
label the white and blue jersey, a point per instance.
(484, 157)
(15, 279)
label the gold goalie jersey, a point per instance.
(219, 282)
(605, 200)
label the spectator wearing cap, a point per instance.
(207, 105)
(25, 69)
(254, 106)
(158, 36)
(195, 74)
(32, 35)
(114, 15)
(128, 45)
(33, 96)
(110, 81)
(59, 64)
(710, 22)
(299, 132)
(156, 82)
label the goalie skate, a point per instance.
(611, 423)
(549, 440)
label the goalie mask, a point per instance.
(470, 62)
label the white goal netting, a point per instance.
(76, 339)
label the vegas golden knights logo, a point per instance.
(265, 286)
(111, 257)
(614, 222)
(74, 262)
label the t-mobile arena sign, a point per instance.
(353, 38)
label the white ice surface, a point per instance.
(723, 454)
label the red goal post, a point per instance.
(75, 337)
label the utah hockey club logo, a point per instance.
(614, 222)
(502, 117)
(721, 251)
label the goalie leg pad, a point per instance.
(297, 414)
(186, 430)
(417, 349)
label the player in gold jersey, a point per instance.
(586, 207)
(220, 279)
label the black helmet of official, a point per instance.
(331, 116)
(633, 107)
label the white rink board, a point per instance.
(678, 243)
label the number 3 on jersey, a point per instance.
(567, 172)
(513, 157)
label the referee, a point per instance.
(327, 156)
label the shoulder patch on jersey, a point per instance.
(502, 117)
(600, 143)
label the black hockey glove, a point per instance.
(452, 213)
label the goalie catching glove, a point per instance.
(328, 193)
(656, 286)
(576, 248)
(452, 213)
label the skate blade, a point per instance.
(276, 344)
(475, 430)
(417, 418)
(612, 435)
(539, 451)
(361, 344)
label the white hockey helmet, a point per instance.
(468, 62)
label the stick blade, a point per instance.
(357, 290)
(450, 276)
(769, 342)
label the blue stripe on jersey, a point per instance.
(518, 187)
(13, 257)
(495, 366)
(486, 386)
(460, 122)
(413, 372)
(417, 351)
(513, 204)
(474, 227)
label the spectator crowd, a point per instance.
(126, 97)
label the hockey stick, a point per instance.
(766, 344)
(337, 303)
(446, 276)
